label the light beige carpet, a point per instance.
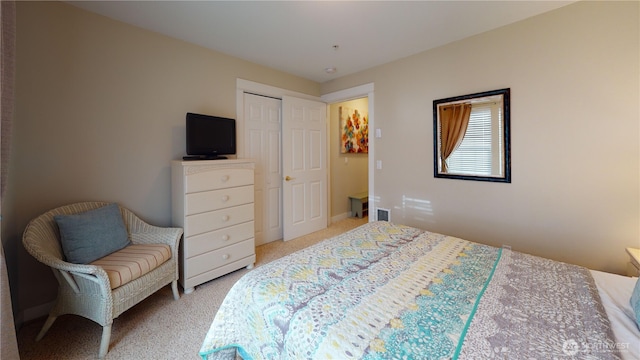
(159, 327)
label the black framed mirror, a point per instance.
(471, 137)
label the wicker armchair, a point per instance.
(85, 290)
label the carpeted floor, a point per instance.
(159, 327)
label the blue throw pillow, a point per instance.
(93, 234)
(635, 301)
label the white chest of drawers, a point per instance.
(213, 201)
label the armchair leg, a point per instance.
(46, 326)
(174, 287)
(104, 343)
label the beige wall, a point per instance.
(99, 116)
(574, 80)
(349, 172)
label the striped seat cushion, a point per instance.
(132, 262)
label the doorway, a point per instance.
(348, 155)
(365, 91)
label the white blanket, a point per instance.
(615, 292)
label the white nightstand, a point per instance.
(633, 267)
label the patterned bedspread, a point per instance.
(385, 291)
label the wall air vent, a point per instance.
(383, 214)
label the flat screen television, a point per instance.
(210, 137)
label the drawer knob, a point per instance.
(225, 218)
(225, 198)
(225, 237)
(225, 256)
(224, 178)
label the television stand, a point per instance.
(203, 157)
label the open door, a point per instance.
(304, 155)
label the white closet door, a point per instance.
(304, 139)
(263, 124)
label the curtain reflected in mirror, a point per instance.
(471, 137)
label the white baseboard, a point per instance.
(340, 217)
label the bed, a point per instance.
(388, 291)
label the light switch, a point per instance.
(379, 164)
(378, 133)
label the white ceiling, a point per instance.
(298, 37)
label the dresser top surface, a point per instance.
(214, 162)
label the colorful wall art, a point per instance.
(354, 131)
